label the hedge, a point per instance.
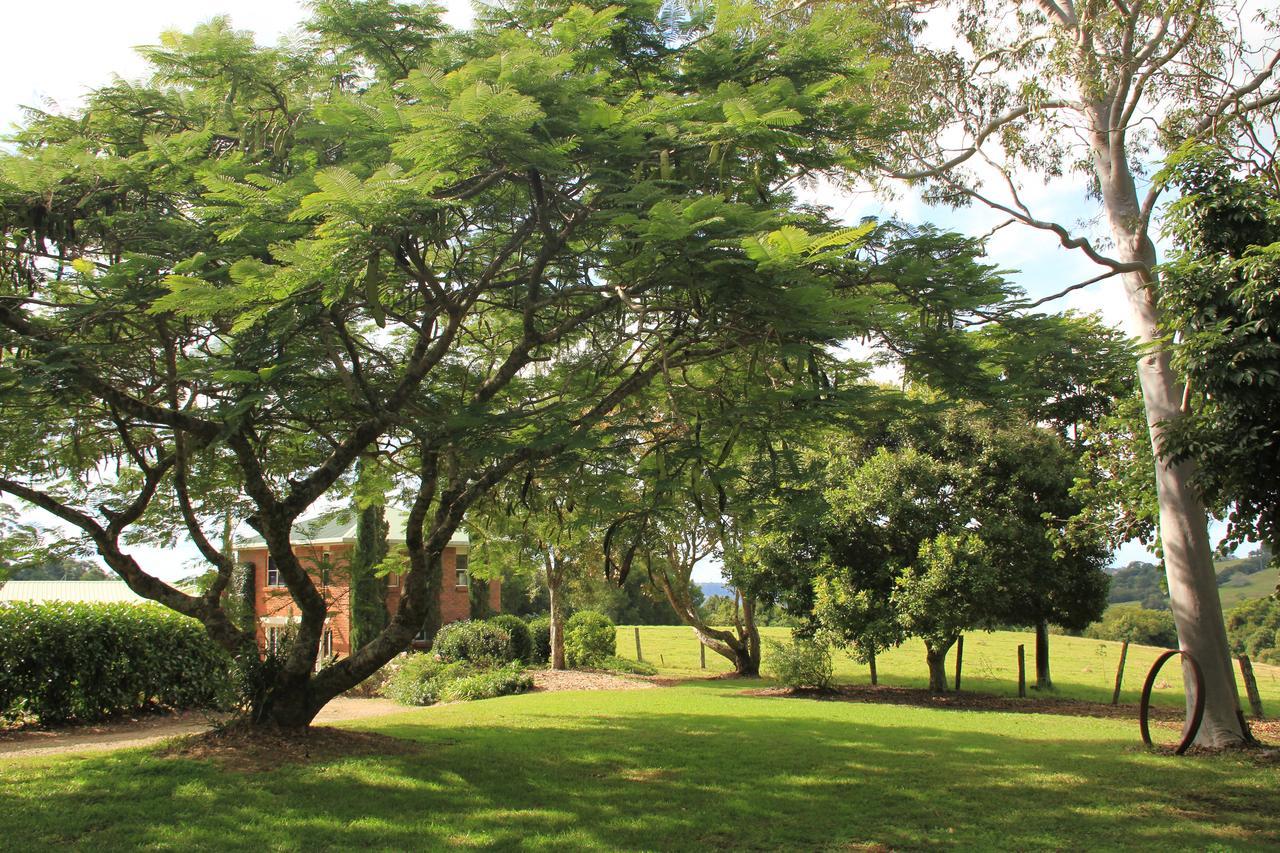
(589, 638)
(70, 661)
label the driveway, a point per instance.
(146, 730)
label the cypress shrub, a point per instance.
(74, 661)
(589, 639)
(540, 638)
(521, 640)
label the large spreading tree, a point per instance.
(457, 252)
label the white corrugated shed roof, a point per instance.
(37, 592)
(334, 528)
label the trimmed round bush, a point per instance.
(521, 641)
(481, 643)
(75, 661)
(589, 639)
(540, 639)
(801, 664)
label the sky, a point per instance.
(53, 52)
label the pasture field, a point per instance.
(697, 766)
(1081, 668)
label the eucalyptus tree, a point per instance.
(463, 254)
(1047, 88)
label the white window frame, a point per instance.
(461, 571)
(273, 571)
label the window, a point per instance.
(277, 636)
(460, 568)
(393, 580)
(273, 573)
(325, 562)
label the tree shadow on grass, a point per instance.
(664, 780)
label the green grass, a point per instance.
(1242, 588)
(1081, 668)
(692, 767)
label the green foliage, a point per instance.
(419, 678)
(540, 639)
(486, 684)
(1254, 629)
(1137, 625)
(423, 679)
(478, 643)
(803, 663)
(1221, 296)
(1141, 582)
(589, 638)
(368, 590)
(521, 641)
(85, 662)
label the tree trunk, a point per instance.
(937, 660)
(557, 622)
(1183, 522)
(1043, 681)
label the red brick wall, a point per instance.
(455, 601)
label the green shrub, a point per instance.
(521, 644)
(420, 678)
(487, 684)
(540, 638)
(1254, 629)
(801, 663)
(589, 638)
(628, 666)
(74, 661)
(1137, 625)
(482, 643)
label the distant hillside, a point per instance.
(710, 589)
(1239, 580)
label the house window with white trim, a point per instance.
(276, 637)
(273, 573)
(460, 570)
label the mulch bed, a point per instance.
(576, 679)
(240, 748)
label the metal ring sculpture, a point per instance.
(1197, 690)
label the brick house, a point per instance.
(324, 547)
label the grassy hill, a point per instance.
(1239, 580)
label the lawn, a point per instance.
(1081, 668)
(690, 767)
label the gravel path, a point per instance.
(142, 731)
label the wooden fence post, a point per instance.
(1124, 652)
(1251, 686)
(702, 653)
(871, 659)
(959, 659)
(1022, 671)
(639, 656)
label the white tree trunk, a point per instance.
(1184, 527)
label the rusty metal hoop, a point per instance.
(1192, 726)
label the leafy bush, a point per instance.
(1254, 630)
(801, 663)
(1137, 625)
(419, 677)
(521, 643)
(481, 643)
(628, 666)
(589, 638)
(422, 679)
(540, 638)
(64, 661)
(487, 684)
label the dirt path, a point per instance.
(142, 731)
